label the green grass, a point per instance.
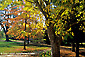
(9, 46)
(12, 47)
(2, 38)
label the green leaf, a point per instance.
(66, 36)
(70, 36)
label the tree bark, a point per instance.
(73, 46)
(7, 38)
(77, 49)
(55, 49)
(55, 42)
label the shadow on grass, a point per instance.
(82, 53)
(12, 43)
(38, 45)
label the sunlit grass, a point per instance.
(2, 38)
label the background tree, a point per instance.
(25, 25)
(4, 25)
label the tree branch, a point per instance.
(74, 24)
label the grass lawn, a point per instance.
(12, 47)
(17, 47)
(2, 38)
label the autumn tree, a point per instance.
(66, 15)
(3, 21)
(66, 18)
(24, 24)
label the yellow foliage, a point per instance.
(58, 32)
(26, 25)
(62, 38)
(69, 29)
(72, 34)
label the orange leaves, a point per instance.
(19, 38)
(17, 23)
(12, 33)
(23, 37)
(7, 33)
(15, 14)
(6, 25)
(27, 38)
(15, 6)
(4, 22)
(33, 36)
(1, 14)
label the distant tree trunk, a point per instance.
(25, 43)
(7, 27)
(55, 42)
(28, 41)
(77, 49)
(7, 38)
(25, 36)
(73, 46)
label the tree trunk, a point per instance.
(55, 49)
(25, 43)
(73, 46)
(55, 42)
(28, 41)
(7, 38)
(77, 49)
(25, 36)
